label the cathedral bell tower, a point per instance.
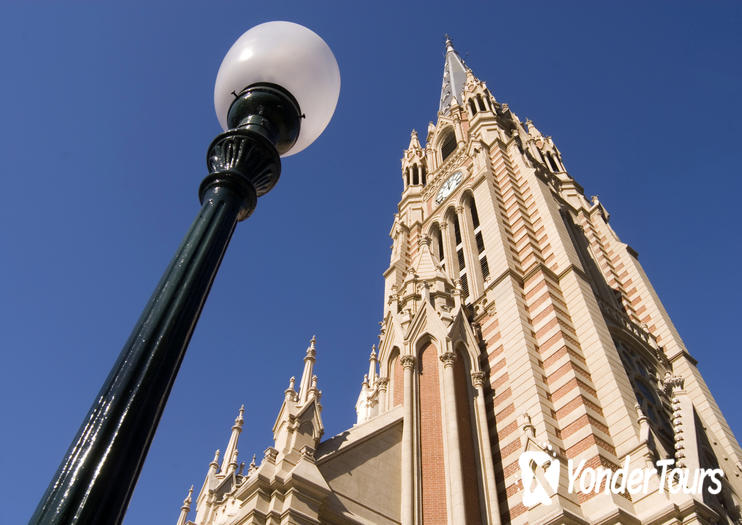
(516, 320)
(521, 347)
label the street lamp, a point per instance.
(275, 92)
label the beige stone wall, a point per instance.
(365, 479)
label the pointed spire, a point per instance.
(306, 376)
(314, 391)
(454, 79)
(229, 461)
(233, 463)
(252, 467)
(214, 465)
(290, 392)
(414, 141)
(424, 266)
(372, 366)
(186, 508)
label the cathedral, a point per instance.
(526, 371)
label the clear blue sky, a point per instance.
(106, 115)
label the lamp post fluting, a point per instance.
(263, 121)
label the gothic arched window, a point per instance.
(478, 239)
(644, 375)
(552, 163)
(437, 244)
(448, 144)
(481, 103)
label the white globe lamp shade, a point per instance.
(291, 56)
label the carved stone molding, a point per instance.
(448, 359)
(436, 179)
(271, 454)
(307, 453)
(673, 383)
(382, 382)
(407, 361)
(477, 379)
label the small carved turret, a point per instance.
(306, 376)
(290, 393)
(372, 366)
(414, 166)
(186, 508)
(214, 465)
(229, 462)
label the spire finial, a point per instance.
(312, 348)
(414, 143)
(449, 44)
(215, 462)
(240, 419)
(186, 508)
(306, 377)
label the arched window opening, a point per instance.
(478, 239)
(407, 177)
(472, 108)
(441, 253)
(480, 101)
(460, 258)
(552, 163)
(448, 145)
(422, 174)
(396, 388)
(467, 442)
(415, 177)
(464, 287)
(474, 214)
(643, 374)
(430, 414)
(436, 245)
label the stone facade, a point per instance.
(515, 320)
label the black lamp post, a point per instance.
(270, 75)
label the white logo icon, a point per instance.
(540, 475)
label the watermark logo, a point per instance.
(539, 472)
(540, 476)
